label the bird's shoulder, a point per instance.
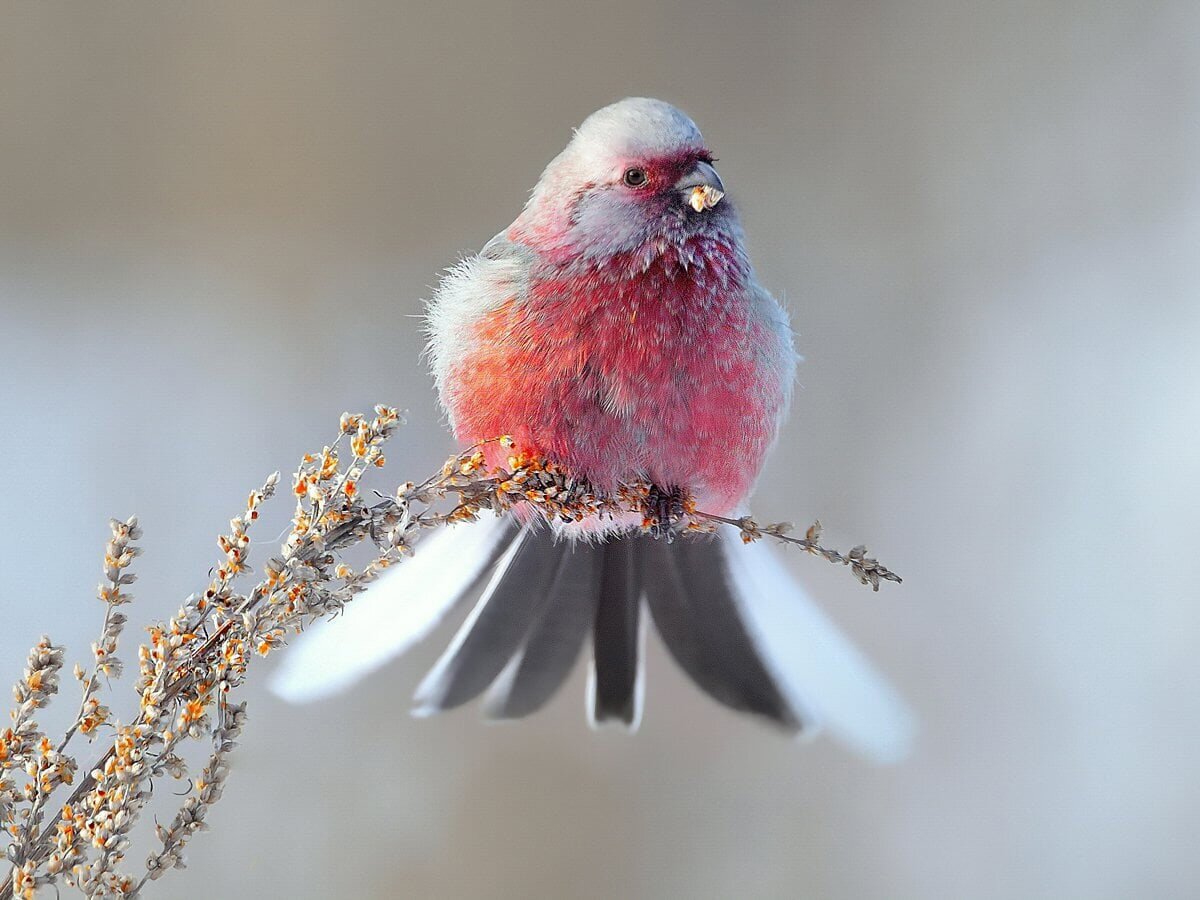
(471, 290)
(504, 249)
(496, 274)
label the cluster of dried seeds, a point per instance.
(190, 664)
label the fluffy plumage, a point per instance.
(617, 328)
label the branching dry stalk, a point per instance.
(190, 665)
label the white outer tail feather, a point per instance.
(819, 671)
(401, 608)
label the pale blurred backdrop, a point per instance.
(217, 221)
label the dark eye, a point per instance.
(634, 177)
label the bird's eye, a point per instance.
(634, 177)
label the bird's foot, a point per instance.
(664, 510)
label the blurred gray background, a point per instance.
(216, 221)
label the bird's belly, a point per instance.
(632, 391)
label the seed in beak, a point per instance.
(704, 196)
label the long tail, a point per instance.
(730, 615)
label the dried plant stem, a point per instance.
(866, 569)
(193, 662)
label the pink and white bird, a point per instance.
(617, 328)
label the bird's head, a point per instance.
(636, 172)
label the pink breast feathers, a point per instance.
(671, 376)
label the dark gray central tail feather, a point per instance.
(525, 633)
(615, 649)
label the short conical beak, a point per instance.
(701, 187)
